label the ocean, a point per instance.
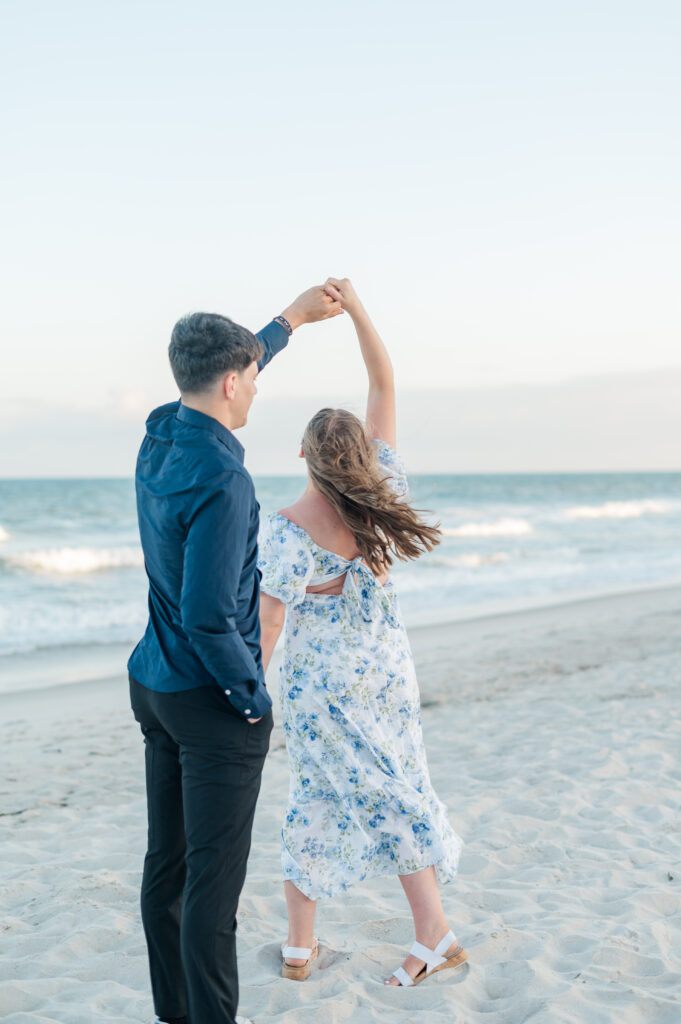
(71, 568)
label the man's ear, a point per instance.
(230, 386)
(301, 453)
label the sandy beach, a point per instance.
(554, 737)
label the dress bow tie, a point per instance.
(365, 595)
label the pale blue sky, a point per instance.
(500, 179)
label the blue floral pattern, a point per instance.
(360, 802)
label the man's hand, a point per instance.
(342, 291)
(314, 304)
(252, 721)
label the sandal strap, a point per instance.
(444, 944)
(403, 977)
(296, 953)
(433, 957)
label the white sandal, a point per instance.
(433, 959)
(298, 953)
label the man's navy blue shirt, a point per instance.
(198, 521)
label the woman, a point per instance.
(360, 801)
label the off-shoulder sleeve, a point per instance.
(392, 465)
(284, 559)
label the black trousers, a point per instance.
(203, 768)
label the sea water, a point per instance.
(72, 573)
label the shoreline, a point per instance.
(96, 674)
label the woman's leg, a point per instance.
(301, 911)
(430, 923)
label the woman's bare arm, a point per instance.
(272, 615)
(381, 414)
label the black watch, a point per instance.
(284, 323)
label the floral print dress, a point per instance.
(360, 802)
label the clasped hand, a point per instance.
(312, 305)
(322, 302)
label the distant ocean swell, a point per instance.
(72, 571)
(84, 559)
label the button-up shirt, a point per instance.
(198, 520)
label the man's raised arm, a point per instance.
(310, 306)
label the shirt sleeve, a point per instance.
(273, 338)
(284, 559)
(392, 465)
(214, 553)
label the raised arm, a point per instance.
(380, 415)
(309, 307)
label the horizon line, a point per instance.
(412, 473)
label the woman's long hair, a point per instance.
(343, 465)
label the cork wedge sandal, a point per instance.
(298, 953)
(433, 959)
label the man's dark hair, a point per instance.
(204, 346)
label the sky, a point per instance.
(499, 180)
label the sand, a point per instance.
(554, 737)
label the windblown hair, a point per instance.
(343, 465)
(204, 346)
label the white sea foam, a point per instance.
(494, 528)
(619, 510)
(71, 561)
(3, 534)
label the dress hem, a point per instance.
(442, 878)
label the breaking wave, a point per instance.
(72, 561)
(619, 510)
(496, 528)
(3, 534)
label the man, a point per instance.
(197, 685)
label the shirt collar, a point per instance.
(203, 422)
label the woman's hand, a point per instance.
(341, 290)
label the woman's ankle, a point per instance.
(300, 941)
(430, 934)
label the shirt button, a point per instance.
(248, 711)
(228, 692)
